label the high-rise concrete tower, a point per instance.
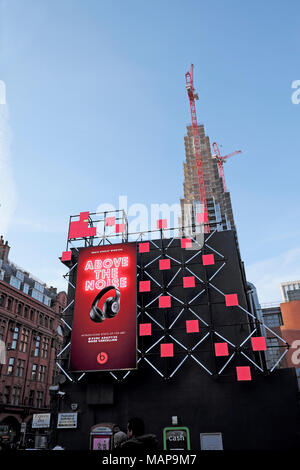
(218, 201)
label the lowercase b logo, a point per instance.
(102, 358)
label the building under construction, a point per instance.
(219, 207)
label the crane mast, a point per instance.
(189, 77)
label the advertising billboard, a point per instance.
(104, 332)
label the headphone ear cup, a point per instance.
(96, 315)
(107, 307)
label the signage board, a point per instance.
(104, 333)
(176, 438)
(67, 420)
(41, 420)
(211, 441)
(23, 427)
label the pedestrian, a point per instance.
(137, 440)
(118, 438)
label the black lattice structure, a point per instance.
(192, 302)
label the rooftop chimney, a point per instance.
(4, 250)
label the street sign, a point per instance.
(23, 427)
(67, 420)
(41, 420)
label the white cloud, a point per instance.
(268, 274)
(7, 185)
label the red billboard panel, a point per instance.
(104, 333)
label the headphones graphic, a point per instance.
(110, 307)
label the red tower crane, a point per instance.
(189, 79)
(221, 160)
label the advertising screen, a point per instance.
(104, 324)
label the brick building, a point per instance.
(31, 335)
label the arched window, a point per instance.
(40, 319)
(19, 309)
(32, 315)
(46, 323)
(9, 303)
(2, 300)
(26, 312)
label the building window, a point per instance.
(45, 348)
(25, 288)
(46, 322)
(20, 368)
(2, 329)
(16, 393)
(31, 398)
(272, 320)
(37, 295)
(6, 394)
(15, 338)
(10, 367)
(20, 275)
(9, 304)
(40, 319)
(39, 287)
(37, 346)
(51, 324)
(42, 374)
(39, 399)
(273, 352)
(32, 315)
(47, 300)
(15, 282)
(2, 300)
(33, 371)
(26, 309)
(24, 340)
(19, 309)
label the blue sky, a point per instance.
(97, 108)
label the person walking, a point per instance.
(137, 440)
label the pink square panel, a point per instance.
(243, 373)
(231, 300)
(161, 223)
(120, 228)
(66, 255)
(145, 329)
(192, 326)
(84, 216)
(208, 259)
(144, 286)
(144, 247)
(167, 350)
(189, 281)
(221, 349)
(186, 243)
(259, 343)
(164, 301)
(202, 218)
(164, 264)
(109, 221)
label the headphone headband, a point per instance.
(103, 292)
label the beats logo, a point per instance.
(102, 358)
